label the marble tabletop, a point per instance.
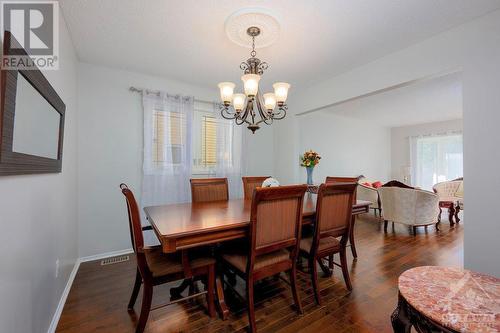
(455, 298)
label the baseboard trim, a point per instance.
(106, 255)
(64, 296)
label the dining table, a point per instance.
(186, 226)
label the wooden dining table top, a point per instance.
(184, 225)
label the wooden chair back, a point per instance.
(209, 189)
(134, 219)
(334, 210)
(250, 184)
(332, 179)
(275, 220)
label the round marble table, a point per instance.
(443, 299)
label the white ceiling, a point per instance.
(428, 101)
(185, 39)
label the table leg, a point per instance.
(221, 302)
(399, 318)
(457, 210)
(351, 237)
(451, 213)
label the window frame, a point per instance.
(202, 112)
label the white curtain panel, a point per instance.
(167, 149)
(230, 152)
(436, 158)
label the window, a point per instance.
(167, 127)
(186, 139)
(204, 139)
(204, 142)
(208, 141)
(437, 159)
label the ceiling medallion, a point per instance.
(237, 24)
(252, 107)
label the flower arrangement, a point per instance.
(310, 159)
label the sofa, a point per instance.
(409, 206)
(451, 196)
(369, 193)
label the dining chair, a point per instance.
(333, 220)
(336, 179)
(209, 189)
(250, 183)
(273, 242)
(332, 180)
(155, 267)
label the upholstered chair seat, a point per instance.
(239, 259)
(449, 199)
(326, 243)
(452, 191)
(165, 264)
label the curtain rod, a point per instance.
(157, 92)
(430, 135)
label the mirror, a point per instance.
(31, 116)
(36, 123)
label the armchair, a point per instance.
(407, 205)
(451, 196)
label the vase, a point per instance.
(309, 175)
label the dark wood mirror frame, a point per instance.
(15, 163)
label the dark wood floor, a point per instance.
(98, 299)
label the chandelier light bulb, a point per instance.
(239, 102)
(269, 101)
(251, 84)
(281, 92)
(226, 92)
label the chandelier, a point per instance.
(252, 107)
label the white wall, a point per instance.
(259, 159)
(110, 150)
(348, 147)
(481, 153)
(473, 48)
(400, 146)
(38, 214)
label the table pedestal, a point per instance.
(405, 316)
(436, 299)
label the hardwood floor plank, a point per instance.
(99, 295)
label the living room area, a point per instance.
(410, 133)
